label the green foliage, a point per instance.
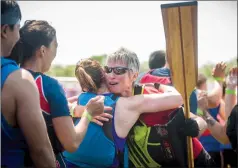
(144, 66)
(68, 71)
(100, 58)
(207, 68)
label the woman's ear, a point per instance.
(4, 31)
(135, 76)
(42, 51)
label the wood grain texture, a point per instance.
(180, 26)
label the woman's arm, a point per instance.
(231, 95)
(70, 136)
(129, 109)
(215, 95)
(217, 130)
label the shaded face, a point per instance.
(9, 37)
(119, 83)
(203, 86)
(49, 54)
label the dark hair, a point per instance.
(10, 12)
(33, 35)
(201, 80)
(90, 74)
(231, 130)
(157, 59)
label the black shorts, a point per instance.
(230, 158)
(204, 160)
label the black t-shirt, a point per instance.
(232, 127)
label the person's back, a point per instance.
(162, 75)
(97, 148)
(20, 112)
(12, 140)
(49, 88)
(163, 133)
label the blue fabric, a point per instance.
(96, 150)
(56, 97)
(54, 94)
(228, 146)
(12, 140)
(126, 156)
(165, 72)
(209, 142)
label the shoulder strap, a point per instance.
(138, 89)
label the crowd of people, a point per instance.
(121, 118)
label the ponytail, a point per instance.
(85, 80)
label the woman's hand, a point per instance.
(104, 117)
(231, 80)
(219, 70)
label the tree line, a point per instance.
(69, 70)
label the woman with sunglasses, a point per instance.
(103, 146)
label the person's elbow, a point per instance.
(72, 147)
(179, 100)
(214, 102)
(225, 141)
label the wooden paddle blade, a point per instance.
(180, 26)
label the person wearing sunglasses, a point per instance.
(124, 85)
(106, 146)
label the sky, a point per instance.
(86, 28)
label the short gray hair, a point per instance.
(126, 56)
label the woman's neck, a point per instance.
(33, 66)
(103, 89)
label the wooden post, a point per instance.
(180, 26)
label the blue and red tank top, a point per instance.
(53, 103)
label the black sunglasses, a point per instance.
(116, 70)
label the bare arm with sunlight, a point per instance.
(231, 98)
(129, 109)
(215, 95)
(217, 130)
(30, 118)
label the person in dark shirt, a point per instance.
(35, 52)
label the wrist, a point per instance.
(72, 108)
(87, 115)
(230, 91)
(219, 79)
(230, 86)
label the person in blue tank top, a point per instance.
(22, 125)
(35, 52)
(98, 149)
